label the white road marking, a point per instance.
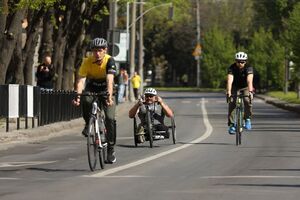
(213, 177)
(26, 163)
(207, 133)
(7, 178)
(243, 177)
(185, 101)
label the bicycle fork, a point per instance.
(95, 109)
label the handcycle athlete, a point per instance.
(96, 74)
(156, 104)
(239, 78)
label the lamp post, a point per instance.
(198, 43)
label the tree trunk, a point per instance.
(58, 57)
(28, 64)
(47, 40)
(30, 46)
(70, 53)
(8, 43)
(18, 61)
(3, 17)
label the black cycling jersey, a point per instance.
(240, 75)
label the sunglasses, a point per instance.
(241, 61)
(98, 49)
(149, 95)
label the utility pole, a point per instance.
(132, 48)
(198, 43)
(286, 74)
(141, 45)
(112, 23)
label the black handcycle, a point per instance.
(153, 129)
(97, 133)
(239, 115)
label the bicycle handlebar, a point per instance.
(102, 94)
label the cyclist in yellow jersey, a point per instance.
(96, 74)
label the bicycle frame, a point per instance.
(96, 111)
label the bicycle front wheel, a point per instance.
(102, 155)
(91, 144)
(239, 127)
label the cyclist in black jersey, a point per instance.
(240, 77)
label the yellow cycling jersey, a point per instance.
(92, 70)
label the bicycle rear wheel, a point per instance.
(91, 144)
(149, 128)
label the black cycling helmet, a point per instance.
(98, 43)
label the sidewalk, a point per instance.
(41, 133)
(279, 103)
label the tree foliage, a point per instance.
(267, 57)
(267, 30)
(66, 24)
(217, 56)
(293, 37)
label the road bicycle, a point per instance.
(239, 115)
(151, 129)
(97, 134)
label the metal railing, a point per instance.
(56, 106)
(30, 102)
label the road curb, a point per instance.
(279, 103)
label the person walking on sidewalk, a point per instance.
(136, 84)
(97, 73)
(121, 86)
(239, 77)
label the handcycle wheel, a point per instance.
(135, 136)
(173, 127)
(91, 144)
(149, 128)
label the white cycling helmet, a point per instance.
(150, 91)
(241, 56)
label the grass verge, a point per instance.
(290, 97)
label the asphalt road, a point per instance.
(204, 164)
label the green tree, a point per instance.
(271, 14)
(293, 38)
(267, 57)
(218, 54)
